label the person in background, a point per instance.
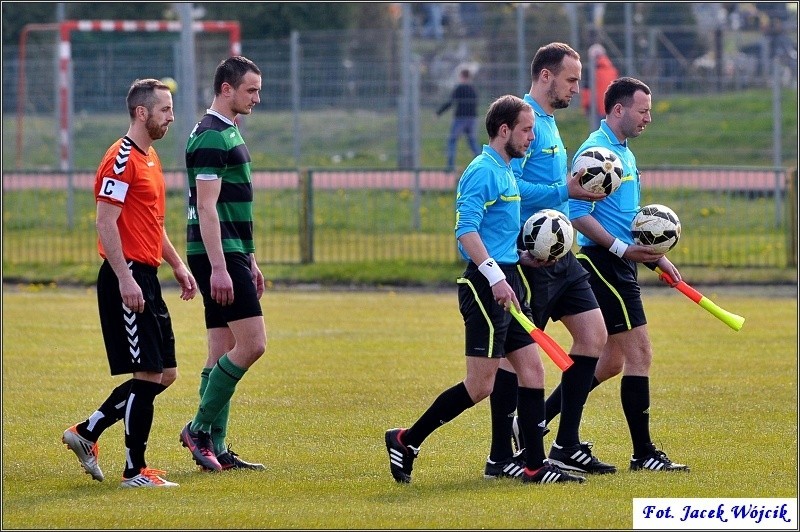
(221, 253)
(465, 98)
(604, 73)
(130, 194)
(487, 225)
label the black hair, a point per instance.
(232, 71)
(621, 90)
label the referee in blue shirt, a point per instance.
(487, 225)
(610, 256)
(560, 291)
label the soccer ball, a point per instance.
(657, 227)
(547, 235)
(603, 170)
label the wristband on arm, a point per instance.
(618, 247)
(491, 271)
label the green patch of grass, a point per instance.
(379, 236)
(686, 130)
(341, 368)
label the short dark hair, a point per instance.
(550, 57)
(504, 110)
(621, 90)
(232, 71)
(143, 92)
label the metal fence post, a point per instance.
(791, 218)
(306, 222)
(777, 147)
(68, 164)
(414, 113)
(404, 139)
(522, 77)
(415, 220)
(594, 119)
(630, 69)
(70, 199)
(187, 81)
(294, 53)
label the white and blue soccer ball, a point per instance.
(656, 226)
(547, 234)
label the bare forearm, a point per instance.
(109, 236)
(212, 237)
(591, 229)
(474, 247)
(168, 252)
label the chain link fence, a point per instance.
(731, 217)
(349, 154)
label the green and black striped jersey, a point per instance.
(216, 150)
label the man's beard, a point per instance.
(555, 101)
(513, 152)
(154, 129)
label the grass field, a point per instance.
(340, 369)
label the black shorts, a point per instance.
(245, 299)
(559, 290)
(490, 331)
(135, 341)
(616, 286)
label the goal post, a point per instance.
(64, 89)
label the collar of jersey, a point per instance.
(536, 107)
(612, 138)
(224, 119)
(488, 150)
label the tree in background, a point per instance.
(17, 14)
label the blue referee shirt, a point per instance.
(487, 202)
(615, 213)
(542, 173)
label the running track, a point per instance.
(701, 179)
